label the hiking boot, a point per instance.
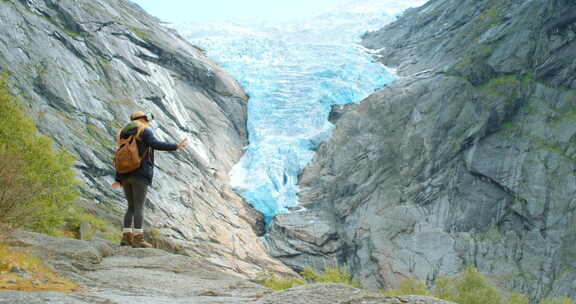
(127, 239)
(138, 241)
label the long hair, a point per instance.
(141, 124)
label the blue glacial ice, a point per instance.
(293, 73)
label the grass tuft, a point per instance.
(330, 275)
(23, 272)
(276, 282)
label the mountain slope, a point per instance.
(467, 159)
(82, 67)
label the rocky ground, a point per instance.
(112, 274)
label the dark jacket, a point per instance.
(148, 142)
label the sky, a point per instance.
(184, 11)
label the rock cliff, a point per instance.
(467, 159)
(82, 66)
(121, 275)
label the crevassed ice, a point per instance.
(293, 74)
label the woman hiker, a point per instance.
(136, 182)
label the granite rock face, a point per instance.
(82, 67)
(469, 158)
(122, 275)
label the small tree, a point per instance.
(16, 191)
(409, 287)
(40, 182)
(444, 288)
(469, 287)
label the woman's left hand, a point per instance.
(116, 184)
(182, 144)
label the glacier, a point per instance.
(294, 72)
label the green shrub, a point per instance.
(78, 215)
(409, 287)
(445, 288)
(278, 283)
(330, 275)
(561, 300)
(44, 173)
(309, 274)
(16, 191)
(517, 298)
(469, 287)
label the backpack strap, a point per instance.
(125, 140)
(147, 151)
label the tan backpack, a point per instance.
(127, 159)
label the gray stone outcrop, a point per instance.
(123, 275)
(81, 67)
(467, 159)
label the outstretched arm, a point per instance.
(149, 138)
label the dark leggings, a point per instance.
(135, 190)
